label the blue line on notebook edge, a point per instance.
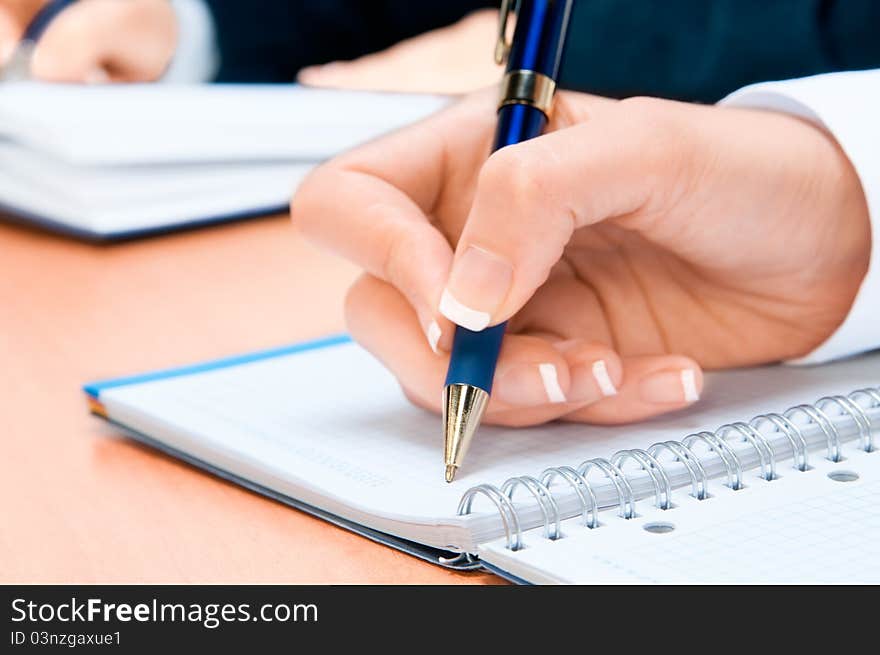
(94, 389)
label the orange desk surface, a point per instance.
(80, 504)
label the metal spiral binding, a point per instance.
(545, 500)
(758, 442)
(799, 450)
(683, 454)
(717, 442)
(662, 487)
(579, 484)
(821, 419)
(618, 479)
(728, 456)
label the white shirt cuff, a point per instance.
(848, 106)
(197, 57)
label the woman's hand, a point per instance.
(95, 40)
(631, 246)
(453, 59)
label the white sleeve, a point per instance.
(197, 56)
(848, 106)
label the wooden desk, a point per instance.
(80, 504)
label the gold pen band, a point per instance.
(524, 87)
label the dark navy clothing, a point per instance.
(696, 50)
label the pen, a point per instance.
(18, 66)
(533, 60)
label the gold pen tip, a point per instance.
(463, 407)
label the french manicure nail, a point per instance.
(670, 387)
(478, 284)
(528, 385)
(461, 314)
(550, 378)
(689, 385)
(434, 333)
(600, 374)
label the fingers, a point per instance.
(378, 227)
(447, 60)
(537, 379)
(375, 206)
(371, 206)
(532, 196)
(651, 385)
(103, 40)
(531, 378)
(380, 320)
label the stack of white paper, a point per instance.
(113, 161)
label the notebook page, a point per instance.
(335, 420)
(802, 528)
(161, 123)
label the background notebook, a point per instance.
(114, 161)
(324, 427)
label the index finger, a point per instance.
(376, 204)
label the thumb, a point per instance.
(532, 196)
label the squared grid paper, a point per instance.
(809, 529)
(821, 539)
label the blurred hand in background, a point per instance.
(95, 41)
(453, 59)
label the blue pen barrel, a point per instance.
(537, 47)
(539, 40)
(41, 20)
(517, 123)
(474, 354)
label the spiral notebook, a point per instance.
(771, 477)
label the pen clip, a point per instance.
(502, 44)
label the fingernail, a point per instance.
(689, 385)
(551, 383)
(590, 382)
(529, 384)
(600, 374)
(670, 387)
(434, 333)
(477, 286)
(461, 314)
(96, 76)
